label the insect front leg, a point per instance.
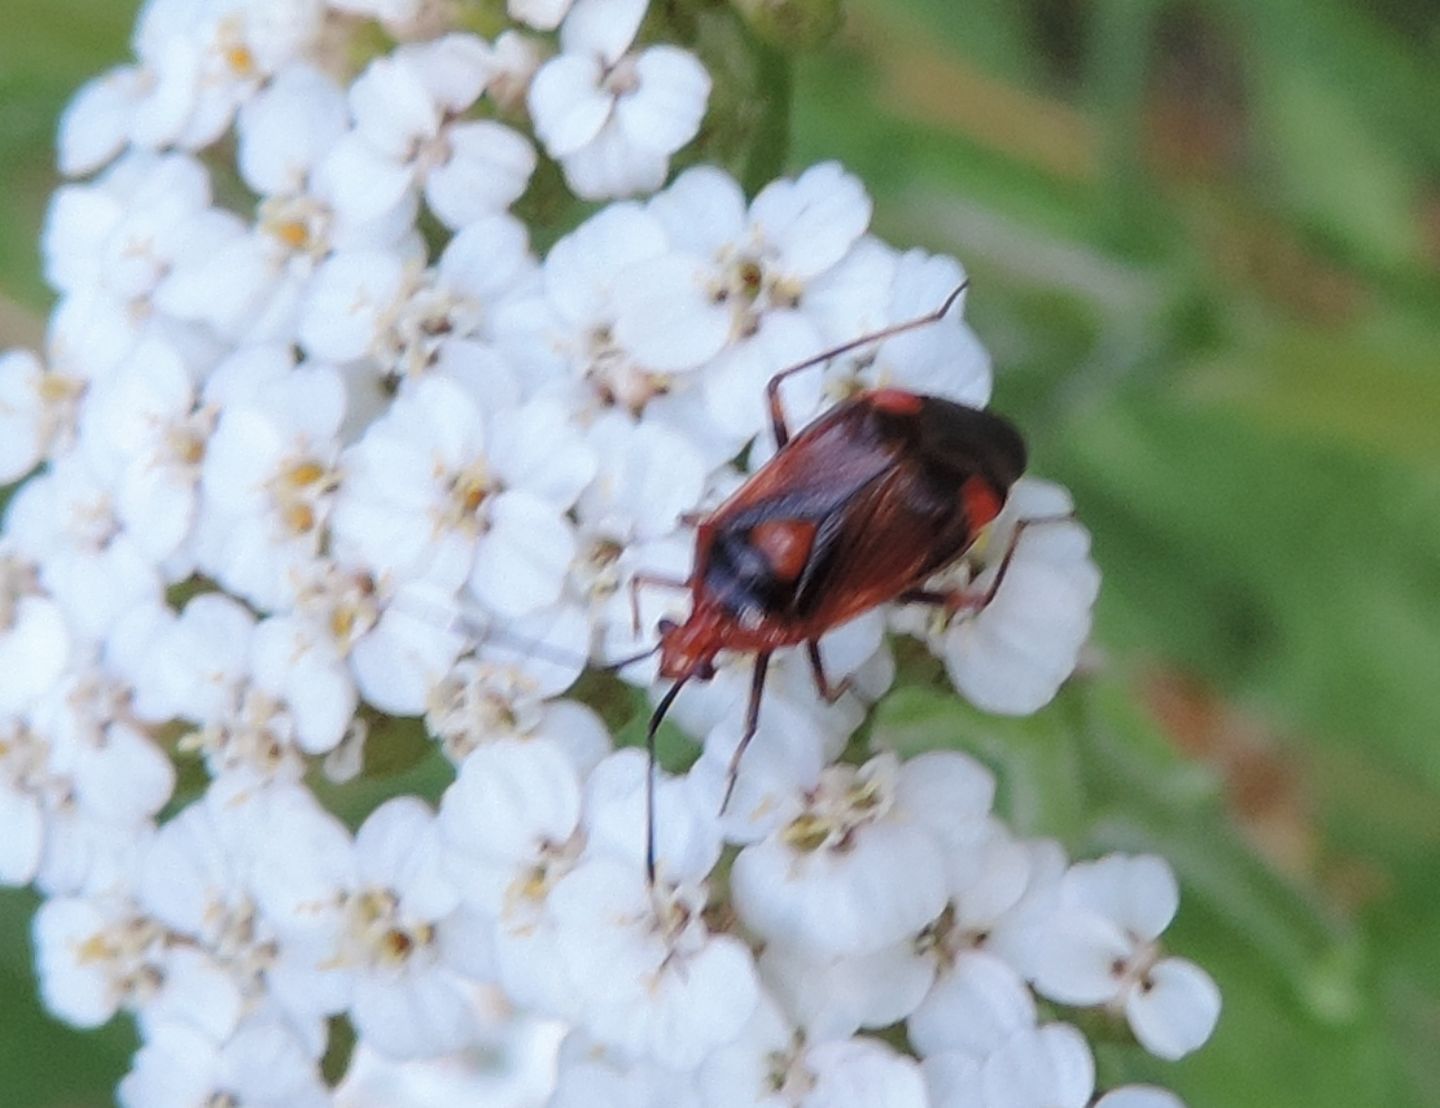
(830, 693)
(658, 580)
(752, 723)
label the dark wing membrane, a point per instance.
(888, 537)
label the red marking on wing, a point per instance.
(896, 401)
(786, 545)
(982, 502)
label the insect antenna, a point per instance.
(477, 629)
(656, 718)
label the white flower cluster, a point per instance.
(348, 451)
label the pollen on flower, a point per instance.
(469, 488)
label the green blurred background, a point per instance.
(1205, 243)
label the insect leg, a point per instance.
(830, 693)
(658, 579)
(772, 390)
(655, 720)
(752, 722)
(955, 601)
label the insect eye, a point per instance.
(667, 626)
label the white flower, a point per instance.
(94, 956)
(832, 998)
(287, 128)
(1104, 950)
(736, 283)
(112, 768)
(37, 412)
(145, 426)
(1050, 1066)
(129, 229)
(198, 62)
(66, 522)
(397, 941)
(376, 303)
(770, 1066)
(977, 1033)
(269, 478)
(263, 1065)
(511, 828)
(408, 133)
(655, 982)
(483, 702)
(34, 641)
(611, 118)
(852, 873)
(436, 490)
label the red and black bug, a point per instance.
(860, 508)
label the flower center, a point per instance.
(623, 77)
(297, 492)
(845, 800)
(467, 489)
(382, 937)
(299, 224)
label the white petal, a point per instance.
(602, 27)
(664, 113)
(286, 129)
(666, 315)
(567, 103)
(813, 220)
(488, 169)
(520, 564)
(703, 210)
(361, 183)
(1138, 892)
(1175, 1012)
(1139, 1096)
(454, 68)
(20, 845)
(1052, 1066)
(863, 1073)
(834, 998)
(885, 887)
(34, 650)
(1076, 962)
(392, 108)
(973, 1008)
(510, 799)
(535, 450)
(611, 165)
(420, 1015)
(346, 299)
(403, 658)
(127, 778)
(96, 121)
(543, 15)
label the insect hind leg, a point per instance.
(969, 601)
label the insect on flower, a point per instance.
(859, 508)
